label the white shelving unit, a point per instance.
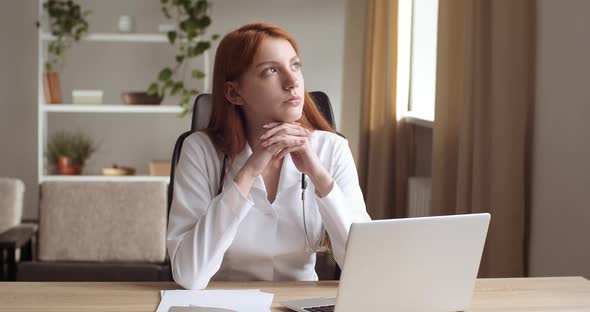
(109, 108)
(115, 37)
(114, 108)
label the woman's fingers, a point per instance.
(289, 139)
(283, 138)
(286, 133)
(287, 150)
(287, 142)
(285, 128)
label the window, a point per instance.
(416, 77)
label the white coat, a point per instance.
(234, 237)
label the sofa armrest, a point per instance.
(17, 236)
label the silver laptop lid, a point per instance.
(413, 264)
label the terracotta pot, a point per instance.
(52, 88)
(68, 166)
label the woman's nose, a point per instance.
(290, 81)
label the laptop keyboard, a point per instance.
(328, 308)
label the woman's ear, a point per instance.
(231, 93)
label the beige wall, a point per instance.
(353, 73)
(18, 96)
(560, 216)
(332, 62)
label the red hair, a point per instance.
(234, 55)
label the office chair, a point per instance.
(326, 266)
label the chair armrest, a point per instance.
(17, 236)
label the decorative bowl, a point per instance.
(140, 98)
(118, 171)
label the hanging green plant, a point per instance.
(67, 23)
(192, 22)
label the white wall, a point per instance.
(320, 27)
(560, 216)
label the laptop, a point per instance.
(412, 264)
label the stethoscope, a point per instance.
(321, 248)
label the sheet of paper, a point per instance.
(247, 300)
(198, 309)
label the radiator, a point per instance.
(419, 194)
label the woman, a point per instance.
(246, 222)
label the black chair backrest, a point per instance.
(202, 109)
(326, 266)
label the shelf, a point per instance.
(116, 37)
(100, 178)
(110, 108)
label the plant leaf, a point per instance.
(165, 74)
(166, 13)
(191, 24)
(204, 21)
(171, 36)
(203, 45)
(197, 74)
(177, 87)
(153, 89)
(202, 5)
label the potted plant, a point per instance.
(192, 22)
(67, 24)
(69, 151)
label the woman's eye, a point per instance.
(296, 66)
(270, 70)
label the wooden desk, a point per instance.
(519, 294)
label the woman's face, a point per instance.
(272, 87)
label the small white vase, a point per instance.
(125, 24)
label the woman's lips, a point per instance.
(294, 100)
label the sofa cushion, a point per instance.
(102, 221)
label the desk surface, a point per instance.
(515, 294)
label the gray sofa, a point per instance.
(100, 231)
